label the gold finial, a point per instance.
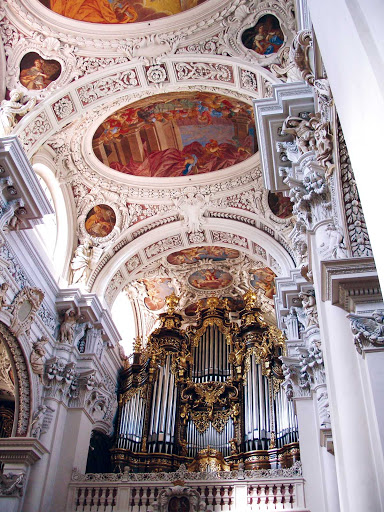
(137, 345)
(251, 299)
(172, 302)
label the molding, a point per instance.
(23, 183)
(326, 439)
(350, 282)
(288, 100)
(21, 450)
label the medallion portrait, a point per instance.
(100, 221)
(37, 73)
(266, 37)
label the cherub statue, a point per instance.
(68, 325)
(16, 105)
(302, 130)
(310, 308)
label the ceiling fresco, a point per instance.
(195, 254)
(266, 37)
(157, 290)
(174, 135)
(119, 11)
(264, 278)
(280, 205)
(100, 221)
(210, 279)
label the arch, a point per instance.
(244, 237)
(43, 165)
(23, 391)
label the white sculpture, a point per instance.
(16, 105)
(192, 207)
(80, 264)
(37, 356)
(67, 328)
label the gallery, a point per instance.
(191, 316)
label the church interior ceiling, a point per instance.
(147, 124)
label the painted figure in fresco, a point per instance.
(37, 73)
(95, 11)
(264, 278)
(100, 221)
(157, 289)
(194, 254)
(119, 11)
(199, 134)
(210, 279)
(266, 37)
(34, 77)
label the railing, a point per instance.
(237, 491)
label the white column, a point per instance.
(311, 457)
(359, 488)
(350, 34)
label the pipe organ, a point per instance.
(207, 395)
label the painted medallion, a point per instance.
(194, 254)
(210, 279)
(37, 73)
(174, 135)
(280, 205)
(119, 11)
(100, 221)
(264, 278)
(266, 37)
(158, 289)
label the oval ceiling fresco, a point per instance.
(194, 254)
(118, 11)
(174, 135)
(210, 279)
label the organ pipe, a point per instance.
(212, 389)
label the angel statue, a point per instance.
(16, 105)
(367, 329)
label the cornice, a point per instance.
(21, 450)
(350, 282)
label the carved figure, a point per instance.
(367, 329)
(16, 105)
(335, 247)
(192, 208)
(310, 308)
(3, 295)
(67, 328)
(233, 445)
(302, 130)
(37, 356)
(80, 264)
(37, 421)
